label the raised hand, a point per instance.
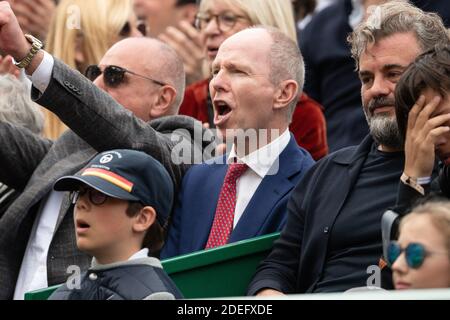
(423, 134)
(188, 43)
(12, 40)
(34, 16)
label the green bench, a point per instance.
(220, 272)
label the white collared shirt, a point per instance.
(43, 73)
(33, 271)
(261, 162)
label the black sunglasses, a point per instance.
(415, 254)
(95, 197)
(113, 76)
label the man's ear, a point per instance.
(188, 12)
(163, 102)
(144, 219)
(286, 92)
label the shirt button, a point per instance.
(325, 230)
(93, 276)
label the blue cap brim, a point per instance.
(73, 183)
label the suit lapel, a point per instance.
(272, 188)
(354, 164)
(269, 192)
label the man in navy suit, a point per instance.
(258, 75)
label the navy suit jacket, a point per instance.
(265, 213)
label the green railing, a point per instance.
(220, 272)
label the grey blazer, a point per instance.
(32, 164)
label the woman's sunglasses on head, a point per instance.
(415, 254)
(113, 76)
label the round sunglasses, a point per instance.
(95, 197)
(113, 76)
(415, 254)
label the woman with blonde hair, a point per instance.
(219, 19)
(421, 257)
(81, 32)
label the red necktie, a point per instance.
(224, 216)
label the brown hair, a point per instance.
(398, 16)
(155, 235)
(430, 70)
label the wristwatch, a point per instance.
(36, 45)
(413, 183)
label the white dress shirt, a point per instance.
(33, 271)
(43, 73)
(261, 162)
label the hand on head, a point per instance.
(424, 133)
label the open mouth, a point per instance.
(82, 225)
(212, 51)
(222, 108)
(222, 112)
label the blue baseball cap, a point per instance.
(127, 175)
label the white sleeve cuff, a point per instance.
(41, 76)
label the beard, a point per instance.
(384, 131)
(383, 126)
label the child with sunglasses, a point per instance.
(421, 256)
(122, 201)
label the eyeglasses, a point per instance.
(225, 21)
(95, 197)
(415, 254)
(125, 32)
(113, 75)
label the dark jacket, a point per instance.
(139, 279)
(298, 257)
(264, 214)
(7, 196)
(330, 76)
(31, 164)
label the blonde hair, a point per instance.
(439, 214)
(100, 23)
(270, 13)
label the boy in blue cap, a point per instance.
(122, 201)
